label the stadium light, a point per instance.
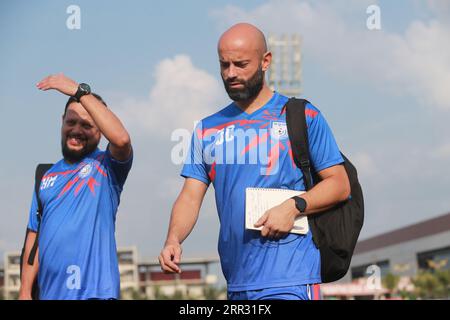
(284, 74)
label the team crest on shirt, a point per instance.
(85, 171)
(278, 130)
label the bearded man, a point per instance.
(76, 249)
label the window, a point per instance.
(438, 259)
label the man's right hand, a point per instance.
(58, 82)
(184, 215)
(170, 257)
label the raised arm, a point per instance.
(107, 122)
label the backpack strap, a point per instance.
(41, 169)
(298, 136)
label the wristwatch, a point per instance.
(83, 89)
(300, 203)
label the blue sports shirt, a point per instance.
(235, 150)
(77, 247)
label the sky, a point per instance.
(384, 92)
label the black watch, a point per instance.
(83, 89)
(300, 203)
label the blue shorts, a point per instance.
(302, 292)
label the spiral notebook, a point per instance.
(259, 200)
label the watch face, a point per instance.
(85, 87)
(300, 203)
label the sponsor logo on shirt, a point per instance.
(48, 182)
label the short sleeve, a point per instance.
(33, 220)
(324, 150)
(194, 164)
(119, 169)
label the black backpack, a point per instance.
(41, 169)
(336, 230)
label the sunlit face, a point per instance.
(241, 68)
(79, 134)
(241, 72)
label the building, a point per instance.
(2, 283)
(128, 269)
(402, 252)
(191, 282)
(137, 279)
(11, 275)
(145, 280)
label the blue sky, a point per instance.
(383, 92)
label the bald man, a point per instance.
(246, 145)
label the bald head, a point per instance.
(243, 36)
(244, 59)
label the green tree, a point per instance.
(432, 284)
(178, 295)
(444, 278)
(158, 294)
(390, 282)
(137, 295)
(213, 293)
(407, 295)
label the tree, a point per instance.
(390, 282)
(432, 284)
(158, 294)
(137, 295)
(213, 293)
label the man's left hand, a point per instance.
(58, 82)
(278, 221)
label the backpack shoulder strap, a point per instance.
(298, 136)
(41, 169)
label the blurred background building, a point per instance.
(194, 282)
(11, 280)
(411, 254)
(138, 279)
(389, 263)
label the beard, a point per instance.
(73, 156)
(251, 87)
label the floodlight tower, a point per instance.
(284, 74)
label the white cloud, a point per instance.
(441, 152)
(182, 94)
(439, 7)
(415, 63)
(365, 164)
